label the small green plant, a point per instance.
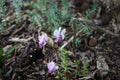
(7, 54)
(1, 57)
(64, 60)
(2, 9)
(86, 29)
(17, 5)
(77, 69)
(77, 42)
(90, 13)
(49, 16)
(85, 71)
(3, 14)
(2, 27)
(35, 17)
(63, 67)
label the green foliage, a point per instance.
(1, 51)
(64, 60)
(77, 41)
(3, 14)
(50, 16)
(2, 9)
(63, 78)
(86, 28)
(7, 54)
(91, 12)
(17, 5)
(2, 27)
(85, 71)
(63, 67)
(1, 57)
(36, 18)
(88, 15)
(76, 69)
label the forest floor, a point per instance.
(27, 61)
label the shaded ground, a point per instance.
(29, 61)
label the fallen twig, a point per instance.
(20, 40)
(18, 30)
(98, 72)
(65, 44)
(74, 37)
(94, 24)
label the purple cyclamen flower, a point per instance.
(52, 67)
(59, 34)
(42, 39)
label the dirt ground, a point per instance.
(29, 62)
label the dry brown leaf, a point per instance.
(50, 42)
(102, 64)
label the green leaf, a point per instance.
(11, 50)
(1, 52)
(3, 58)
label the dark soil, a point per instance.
(29, 62)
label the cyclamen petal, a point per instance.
(56, 33)
(45, 36)
(59, 29)
(62, 33)
(52, 67)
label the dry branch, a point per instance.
(20, 40)
(69, 40)
(94, 24)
